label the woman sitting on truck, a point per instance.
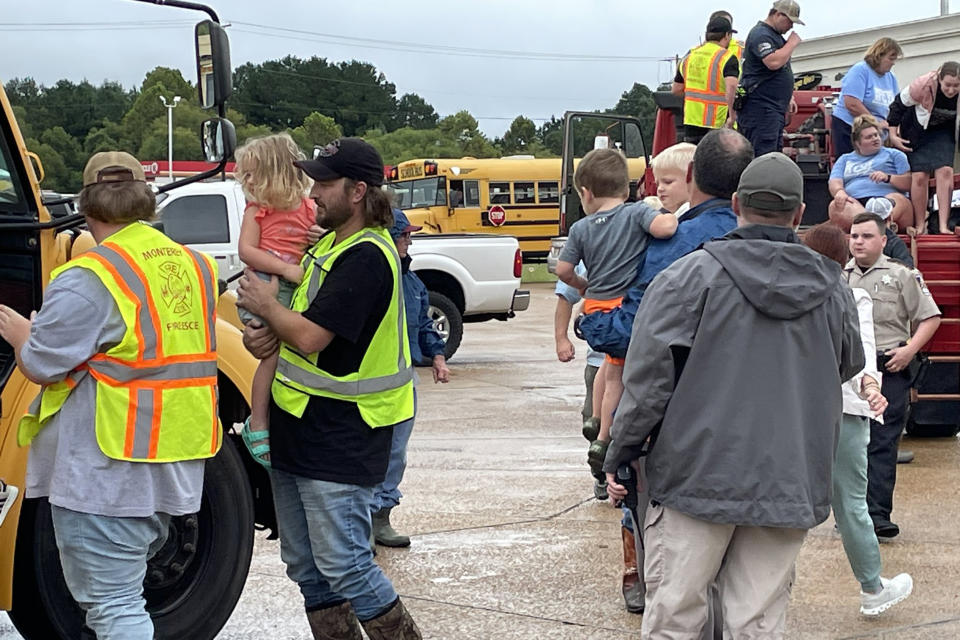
(870, 171)
(923, 123)
(868, 89)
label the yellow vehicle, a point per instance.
(515, 195)
(194, 582)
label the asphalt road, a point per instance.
(509, 543)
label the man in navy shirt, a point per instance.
(768, 79)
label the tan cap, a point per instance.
(112, 166)
(790, 9)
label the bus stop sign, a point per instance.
(496, 215)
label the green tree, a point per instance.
(414, 112)
(463, 129)
(316, 129)
(638, 102)
(57, 175)
(520, 136)
(106, 137)
(64, 144)
(407, 144)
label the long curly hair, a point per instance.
(265, 171)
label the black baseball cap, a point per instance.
(352, 158)
(720, 25)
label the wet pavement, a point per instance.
(508, 541)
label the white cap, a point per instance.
(883, 207)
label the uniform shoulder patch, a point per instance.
(923, 285)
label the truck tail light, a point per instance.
(517, 264)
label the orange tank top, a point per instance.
(284, 233)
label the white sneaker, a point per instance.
(895, 590)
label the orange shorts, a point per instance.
(590, 305)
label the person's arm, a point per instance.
(900, 178)
(780, 57)
(15, 329)
(731, 95)
(255, 257)
(867, 342)
(430, 341)
(855, 106)
(561, 326)
(852, 358)
(900, 357)
(664, 225)
(678, 83)
(567, 275)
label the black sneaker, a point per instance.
(886, 529)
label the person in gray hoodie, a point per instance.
(732, 385)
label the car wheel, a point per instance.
(448, 322)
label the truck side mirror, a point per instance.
(219, 139)
(214, 76)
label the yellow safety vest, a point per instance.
(704, 88)
(157, 388)
(382, 387)
(736, 48)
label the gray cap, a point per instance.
(772, 182)
(790, 9)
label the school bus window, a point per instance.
(472, 193)
(499, 193)
(524, 193)
(549, 192)
(428, 192)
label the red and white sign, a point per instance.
(496, 215)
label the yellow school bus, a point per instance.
(456, 196)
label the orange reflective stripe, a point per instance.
(155, 423)
(714, 70)
(131, 430)
(214, 440)
(157, 362)
(204, 275)
(154, 314)
(122, 283)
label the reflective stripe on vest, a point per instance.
(294, 368)
(704, 93)
(155, 402)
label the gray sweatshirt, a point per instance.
(735, 367)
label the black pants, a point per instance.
(882, 452)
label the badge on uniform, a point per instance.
(887, 280)
(923, 285)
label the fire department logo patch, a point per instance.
(176, 291)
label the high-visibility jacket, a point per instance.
(156, 390)
(704, 88)
(382, 386)
(736, 48)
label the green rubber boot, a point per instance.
(595, 456)
(384, 533)
(591, 428)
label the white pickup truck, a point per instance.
(471, 277)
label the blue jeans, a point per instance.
(325, 543)
(104, 563)
(850, 502)
(387, 494)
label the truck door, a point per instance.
(584, 131)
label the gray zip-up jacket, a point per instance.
(735, 367)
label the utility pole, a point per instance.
(170, 107)
(944, 7)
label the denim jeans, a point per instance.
(850, 502)
(325, 543)
(387, 494)
(104, 563)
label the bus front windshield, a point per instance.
(426, 192)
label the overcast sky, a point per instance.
(457, 55)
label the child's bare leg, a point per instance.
(260, 393)
(599, 384)
(613, 389)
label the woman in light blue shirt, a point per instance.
(870, 171)
(868, 89)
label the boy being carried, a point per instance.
(610, 241)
